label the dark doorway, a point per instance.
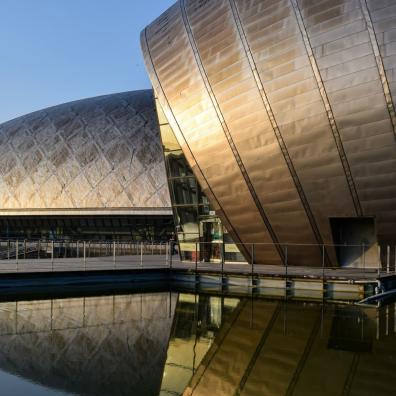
(355, 240)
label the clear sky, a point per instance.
(55, 51)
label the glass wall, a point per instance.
(199, 231)
(93, 227)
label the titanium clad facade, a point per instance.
(90, 169)
(98, 155)
(285, 112)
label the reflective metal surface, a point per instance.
(284, 110)
(96, 155)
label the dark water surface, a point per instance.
(174, 344)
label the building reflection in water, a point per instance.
(184, 344)
(89, 346)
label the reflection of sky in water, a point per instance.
(173, 344)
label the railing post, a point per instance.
(364, 255)
(114, 254)
(170, 253)
(196, 260)
(222, 260)
(252, 258)
(85, 255)
(8, 249)
(78, 249)
(141, 254)
(24, 249)
(38, 249)
(286, 262)
(379, 260)
(17, 253)
(388, 259)
(323, 262)
(52, 256)
(152, 248)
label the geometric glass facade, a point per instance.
(199, 231)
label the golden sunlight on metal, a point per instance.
(285, 112)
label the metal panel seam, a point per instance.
(274, 123)
(148, 52)
(380, 64)
(329, 111)
(225, 128)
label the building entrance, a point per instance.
(211, 240)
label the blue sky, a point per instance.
(55, 51)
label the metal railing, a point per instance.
(320, 259)
(257, 258)
(40, 255)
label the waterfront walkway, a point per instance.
(146, 262)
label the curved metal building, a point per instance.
(98, 156)
(285, 111)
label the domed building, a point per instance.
(285, 112)
(85, 170)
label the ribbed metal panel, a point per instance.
(287, 107)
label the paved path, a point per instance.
(161, 261)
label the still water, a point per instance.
(184, 344)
